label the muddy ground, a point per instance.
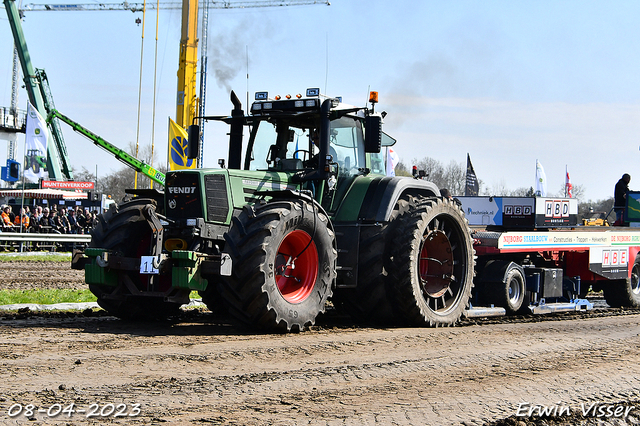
(198, 370)
(27, 275)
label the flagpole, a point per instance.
(169, 147)
(22, 202)
(566, 172)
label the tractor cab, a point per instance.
(320, 143)
(324, 143)
(286, 136)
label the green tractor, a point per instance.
(302, 213)
(35, 161)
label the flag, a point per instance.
(178, 148)
(567, 185)
(472, 187)
(392, 161)
(541, 181)
(35, 140)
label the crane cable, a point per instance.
(155, 78)
(144, 10)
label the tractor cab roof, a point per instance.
(297, 105)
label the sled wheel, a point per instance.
(508, 294)
(624, 293)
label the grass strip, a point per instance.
(45, 296)
(52, 296)
(63, 257)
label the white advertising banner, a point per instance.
(36, 137)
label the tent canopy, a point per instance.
(49, 194)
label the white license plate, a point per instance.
(146, 265)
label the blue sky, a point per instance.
(508, 82)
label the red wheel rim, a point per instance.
(296, 266)
(436, 264)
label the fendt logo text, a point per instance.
(182, 190)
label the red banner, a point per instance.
(54, 184)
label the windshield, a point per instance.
(294, 144)
(285, 146)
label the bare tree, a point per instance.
(433, 169)
(452, 177)
(577, 192)
(498, 189)
(402, 170)
(455, 178)
(115, 183)
(522, 192)
(83, 175)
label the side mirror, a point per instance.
(193, 138)
(372, 134)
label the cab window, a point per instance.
(346, 145)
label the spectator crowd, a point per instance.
(48, 219)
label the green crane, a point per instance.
(126, 158)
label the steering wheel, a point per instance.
(306, 154)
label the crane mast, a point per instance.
(13, 109)
(33, 86)
(188, 63)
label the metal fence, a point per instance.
(13, 122)
(50, 242)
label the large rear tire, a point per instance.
(433, 264)
(125, 231)
(284, 265)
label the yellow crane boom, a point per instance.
(188, 65)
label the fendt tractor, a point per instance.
(308, 214)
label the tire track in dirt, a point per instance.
(184, 375)
(25, 275)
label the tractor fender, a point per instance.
(383, 194)
(496, 271)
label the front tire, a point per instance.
(433, 264)
(284, 265)
(125, 231)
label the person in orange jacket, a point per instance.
(6, 218)
(25, 219)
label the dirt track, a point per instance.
(197, 370)
(27, 275)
